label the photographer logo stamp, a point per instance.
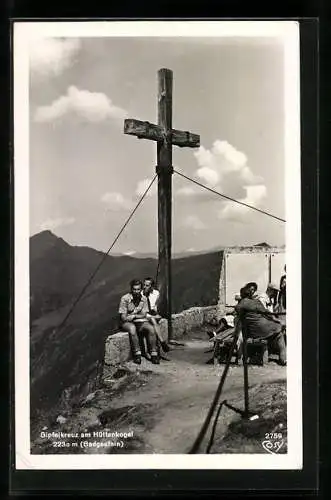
(273, 442)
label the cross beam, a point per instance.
(165, 137)
(146, 130)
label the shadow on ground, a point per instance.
(163, 406)
(268, 433)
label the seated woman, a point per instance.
(261, 323)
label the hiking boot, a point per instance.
(155, 359)
(165, 346)
(137, 359)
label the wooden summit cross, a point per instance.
(166, 137)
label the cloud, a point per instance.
(222, 168)
(116, 202)
(248, 177)
(255, 194)
(205, 158)
(235, 159)
(186, 192)
(222, 161)
(49, 57)
(54, 223)
(90, 106)
(129, 253)
(143, 185)
(209, 175)
(225, 169)
(235, 212)
(193, 222)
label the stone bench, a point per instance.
(257, 351)
(117, 347)
(118, 350)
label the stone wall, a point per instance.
(190, 318)
(117, 346)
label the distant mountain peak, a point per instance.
(44, 241)
(45, 234)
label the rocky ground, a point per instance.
(162, 407)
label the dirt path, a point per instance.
(181, 396)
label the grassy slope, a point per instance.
(270, 403)
(71, 357)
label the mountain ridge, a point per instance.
(67, 360)
(145, 255)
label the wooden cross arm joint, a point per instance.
(146, 130)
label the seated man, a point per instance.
(152, 296)
(134, 319)
(261, 323)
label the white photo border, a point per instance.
(288, 31)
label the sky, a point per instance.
(86, 175)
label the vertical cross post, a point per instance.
(164, 171)
(166, 137)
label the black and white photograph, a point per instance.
(157, 245)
